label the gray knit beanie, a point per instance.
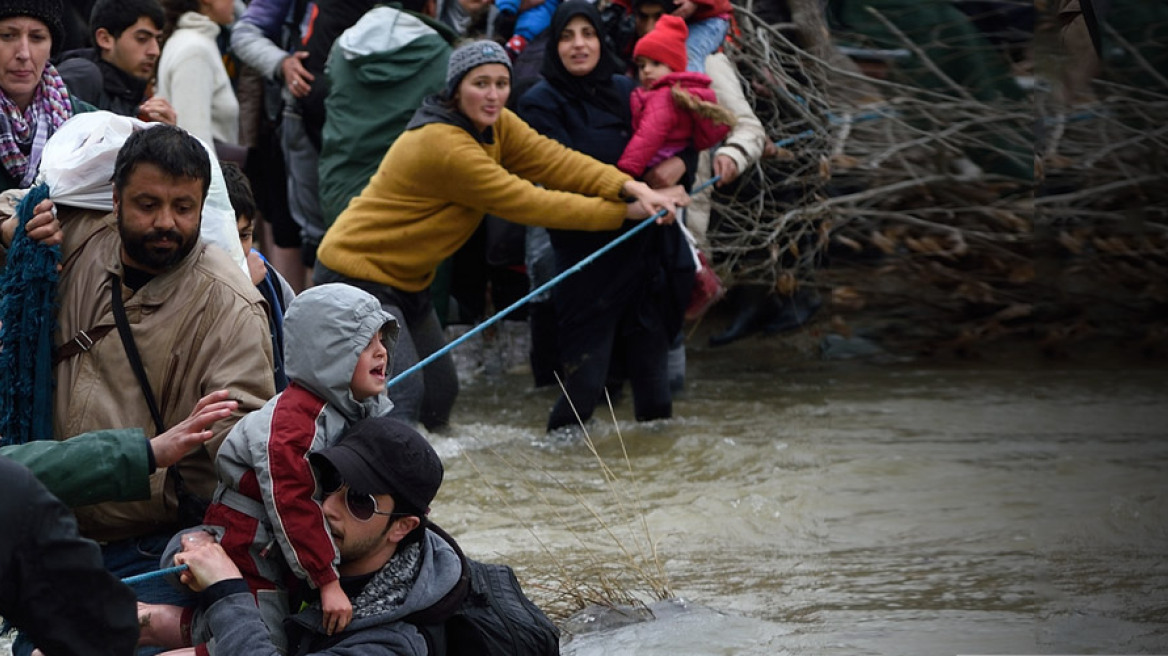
(472, 55)
(49, 12)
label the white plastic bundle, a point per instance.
(78, 164)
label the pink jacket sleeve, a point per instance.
(653, 117)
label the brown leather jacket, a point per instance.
(199, 327)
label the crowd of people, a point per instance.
(263, 393)
(348, 207)
(371, 146)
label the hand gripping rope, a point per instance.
(541, 289)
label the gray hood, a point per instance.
(325, 330)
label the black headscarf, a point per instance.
(595, 87)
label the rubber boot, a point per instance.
(795, 311)
(756, 307)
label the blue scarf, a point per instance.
(28, 290)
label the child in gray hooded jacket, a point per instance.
(266, 510)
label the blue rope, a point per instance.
(541, 289)
(138, 578)
(28, 290)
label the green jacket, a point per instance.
(104, 465)
(379, 71)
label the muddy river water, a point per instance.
(818, 508)
(837, 508)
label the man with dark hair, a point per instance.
(193, 319)
(399, 570)
(115, 74)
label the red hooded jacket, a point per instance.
(662, 129)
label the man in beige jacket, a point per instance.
(198, 324)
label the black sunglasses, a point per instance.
(361, 506)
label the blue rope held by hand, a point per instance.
(138, 578)
(28, 291)
(541, 289)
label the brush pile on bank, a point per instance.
(944, 221)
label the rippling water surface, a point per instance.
(838, 508)
(835, 509)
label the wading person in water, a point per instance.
(464, 155)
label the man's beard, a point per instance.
(139, 247)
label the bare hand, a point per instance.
(298, 79)
(43, 227)
(338, 610)
(726, 168)
(158, 109)
(171, 446)
(685, 8)
(207, 565)
(256, 268)
(666, 174)
(651, 201)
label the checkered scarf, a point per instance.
(390, 586)
(23, 134)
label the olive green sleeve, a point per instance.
(105, 465)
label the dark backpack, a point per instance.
(495, 619)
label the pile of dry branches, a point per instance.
(875, 198)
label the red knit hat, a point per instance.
(665, 43)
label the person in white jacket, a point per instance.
(191, 74)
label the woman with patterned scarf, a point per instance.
(33, 99)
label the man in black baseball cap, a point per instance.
(377, 458)
(378, 480)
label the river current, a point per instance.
(820, 508)
(794, 506)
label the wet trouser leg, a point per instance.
(585, 349)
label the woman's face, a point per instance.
(483, 93)
(579, 46)
(24, 49)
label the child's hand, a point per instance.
(666, 174)
(338, 612)
(256, 268)
(685, 8)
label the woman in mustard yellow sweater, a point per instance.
(464, 155)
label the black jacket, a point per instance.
(101, 84)
(53, 584)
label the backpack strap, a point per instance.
(435, 635)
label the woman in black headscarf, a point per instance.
(625, 308)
